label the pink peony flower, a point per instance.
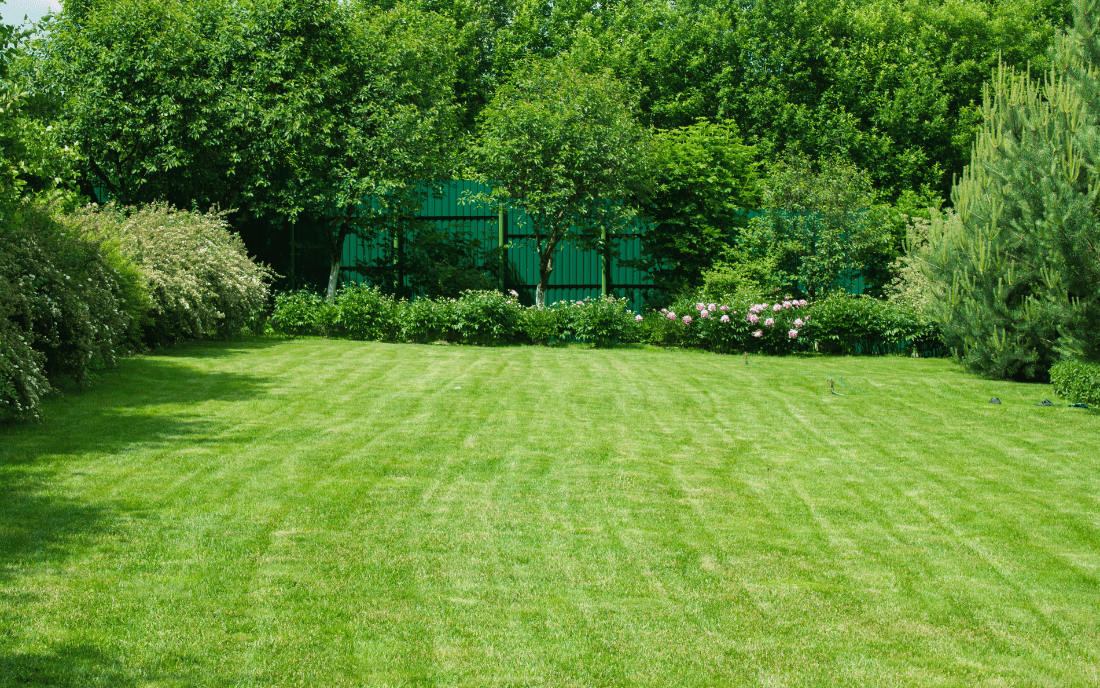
(704, 314)
(753, 317)
(777, 307)
(758, 333)
(769, 322)
(723, 307)
(798, 322)
(513, 292)
(787, 304)
(792, 334)
(725, 318)
(638, 318)
(711, 307)
(687, 319)
(664, 310)
(802, 302)
(671, 315)
(700, 306)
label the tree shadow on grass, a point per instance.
(65, 666)
(143, 402)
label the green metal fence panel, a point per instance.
(577, 272)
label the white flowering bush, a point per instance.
(199, 277)
(62, 309)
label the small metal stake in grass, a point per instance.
(746, 358)
(832, 389)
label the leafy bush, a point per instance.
(297, 313)
(425, 320)
(603, 322)
(22, 380)
(487, 318)
(362, 312)
(844, 324)
(200, 279)
(1077, 381)
(541, 325)
(63, 294)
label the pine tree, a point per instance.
(1016, 268)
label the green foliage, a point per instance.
(705, 185)
(563, 146)
(425, 320)
(199, 278)
(845, 324)
(297, 313)
(487, 318)
(542, 325)
(602, 322)
(61, 309)
(820, 226)
(1016, 271)
(362, 312)
(1076, 381)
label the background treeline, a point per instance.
(777, 148)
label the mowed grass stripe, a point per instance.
(340, 513)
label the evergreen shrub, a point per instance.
(1077, 381)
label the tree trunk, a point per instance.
(338, 233)
(546, 266)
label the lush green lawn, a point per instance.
(329, 513)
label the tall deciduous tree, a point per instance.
(1016, 271)
(358, 105)
(706, 184)
(563, 146)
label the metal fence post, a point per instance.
(502, 228)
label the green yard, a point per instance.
(334, 513)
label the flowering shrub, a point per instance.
(62, 309)
(362, 312)
(487, 318)
(199, 277)
(542, 325)
(425, 320)
(297, 313)
(602, 322)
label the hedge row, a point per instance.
(79, 290)
(837, 324)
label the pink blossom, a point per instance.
(711, 307)
(700, 306)
(671, 315)
(798, 322)
(802, 302)
(638, 318)
(704, 314)
(787, 304)
(769, 322)
(723, 307)
(725, 318)
(753, 317)
(792, 333)
(777, 307)
(758, 333)
(687, 319)
(513, 292)
(664, 310)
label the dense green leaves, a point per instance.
(706, 185)
(1016, 272)
(563, 146)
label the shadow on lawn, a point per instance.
(146, 401)
(67, 666)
